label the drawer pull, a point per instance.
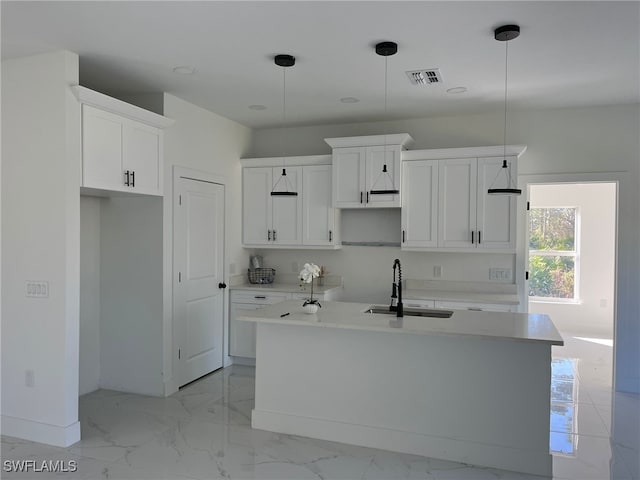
(262, 297)
(475, 309)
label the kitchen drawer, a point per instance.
(483, 307)
(418, 303)
(258, 298)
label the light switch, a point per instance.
(37, 288)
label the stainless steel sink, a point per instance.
(412, 312)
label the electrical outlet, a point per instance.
(499, 274)
(37, 289)
(437, 271)
(29, 378)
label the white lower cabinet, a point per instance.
(480, 307)
(418, 303)
(242, 335)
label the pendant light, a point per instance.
(386, 187)
(504, 34)
(283, 182)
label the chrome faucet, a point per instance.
(396, 290)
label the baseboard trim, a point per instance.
(41, 432)
(481, 454)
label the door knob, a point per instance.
(222, 285)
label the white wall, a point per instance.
(571, 140)
(89, 356)
(131, 294)
(368, 271)
(596, 205)
(41, 241)
(207, 142)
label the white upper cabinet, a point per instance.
(319, 216)
(122, 145)
(256, 205)
(267, 219)
(307, 220)
(420, 203)
(446, 206)
(349, 177)
(457, 185)
(366, 170)
(286, 211)
(492, 210)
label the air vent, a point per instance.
(425, 77)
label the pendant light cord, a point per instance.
(284, 104)
(506, 68)
(506, 76)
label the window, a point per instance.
(553, 253)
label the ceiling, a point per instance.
(568, 54)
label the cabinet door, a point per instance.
(349, 177)
(286, 212)
(496, 215)
(242, 335)
(318, 212)
(377, 179)
(141, 156)
(457, 203)
(256, 205)
(420, 204)
(102, 150)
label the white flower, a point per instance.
(309, 272)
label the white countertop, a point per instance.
(519, 327)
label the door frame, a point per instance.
(169, 275)
(522, 251)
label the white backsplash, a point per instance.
(367, 271)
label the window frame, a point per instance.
(575, 254)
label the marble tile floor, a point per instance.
(203, 432)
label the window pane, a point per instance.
(551, 276)
(552, 229)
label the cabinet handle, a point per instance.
(126, 182)
(269, 235)
(330, 235)
(404, 236)
(472, 237)
(262, 297)
(479, 237)
(367, 197)
(274, 235)
(133, 178)
(360, 197)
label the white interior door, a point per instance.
(198, 283)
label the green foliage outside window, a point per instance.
(552, 243)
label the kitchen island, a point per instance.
(473, 388)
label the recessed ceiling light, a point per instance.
(457, 90)
(349, 100)
(184, 70)
(257, 107)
